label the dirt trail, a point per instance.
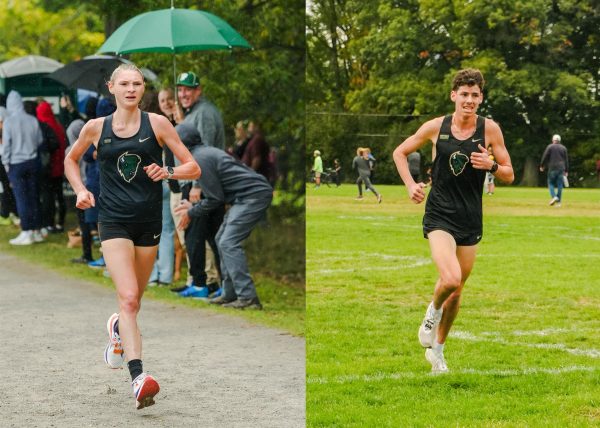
(214, 370)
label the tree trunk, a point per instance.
(530, 173)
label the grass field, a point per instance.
(523, 350)
(283, 298)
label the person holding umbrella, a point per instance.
(129, 150)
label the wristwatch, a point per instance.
(494, 167)
(170, 172)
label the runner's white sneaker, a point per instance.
(145, 387)
(438, 363)
(428, 329)
(113, 353)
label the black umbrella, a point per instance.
(92, 73)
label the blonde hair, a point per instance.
(125, 67)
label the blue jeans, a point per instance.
(163, 268)
(24, 181)
(238, 222)
(555, 183)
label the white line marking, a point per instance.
(378, 377)
(591, 353)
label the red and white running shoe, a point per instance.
(113, 353)
(145, 387)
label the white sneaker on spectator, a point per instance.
(37, 236)
(553, 201)
(24, 238)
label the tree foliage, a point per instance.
(540, 59)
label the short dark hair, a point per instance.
(468, 77)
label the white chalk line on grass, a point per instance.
(379, 377)
(358, 264)
(591, 353)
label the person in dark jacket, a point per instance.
(556, 160)
(225, 180)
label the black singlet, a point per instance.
(454, 203)
(127, 194)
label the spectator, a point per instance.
(337, 172)
(225, 180)
(88, 219)
(361, 164)
(67, 112)
(414, 165)
(207, 120)
(317, 168)
(21, 138)
(8, 206)
(256, 155)
(54, 181)
(241, 139)
(556, 160)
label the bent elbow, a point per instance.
(197, 173)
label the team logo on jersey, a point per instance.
(128, 164)
(444, 136)
(458, 162)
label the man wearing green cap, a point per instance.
(206, 118)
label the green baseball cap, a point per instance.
(188, 79)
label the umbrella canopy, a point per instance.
(92, 73)
(173, 30)
(30, 64)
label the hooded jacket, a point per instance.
(21, 134)
(57, 158)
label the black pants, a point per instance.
(86, 235)
(51, 195)
(201, 230)
(7, 198)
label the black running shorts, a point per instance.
(141, 234)
(461, 239)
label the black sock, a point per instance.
(135, 368)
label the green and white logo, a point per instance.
(128, 164)
(458, 162)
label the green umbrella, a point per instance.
(173, 30)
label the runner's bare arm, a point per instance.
(90, 133)
(481, 160)
(427, 132)
(166, 134)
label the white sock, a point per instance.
(438, 347)
(437, 311)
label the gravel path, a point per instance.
(214, 370)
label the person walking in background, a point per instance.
(54, 181)
(21, 138)
(129, 144)
(226, 180)
(361, 164)
(453, 221)
(556, 160)
(317, 168)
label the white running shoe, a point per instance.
(113, 353)
(438, 363)
(428, 329)
(24, 238)
(145, 387)
(553, 201)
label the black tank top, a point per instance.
(454, 202)
(127, 194)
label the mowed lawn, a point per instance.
(524, 350)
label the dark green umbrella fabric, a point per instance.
(173, 30)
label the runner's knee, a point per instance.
(129, 303)
(450, 281)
